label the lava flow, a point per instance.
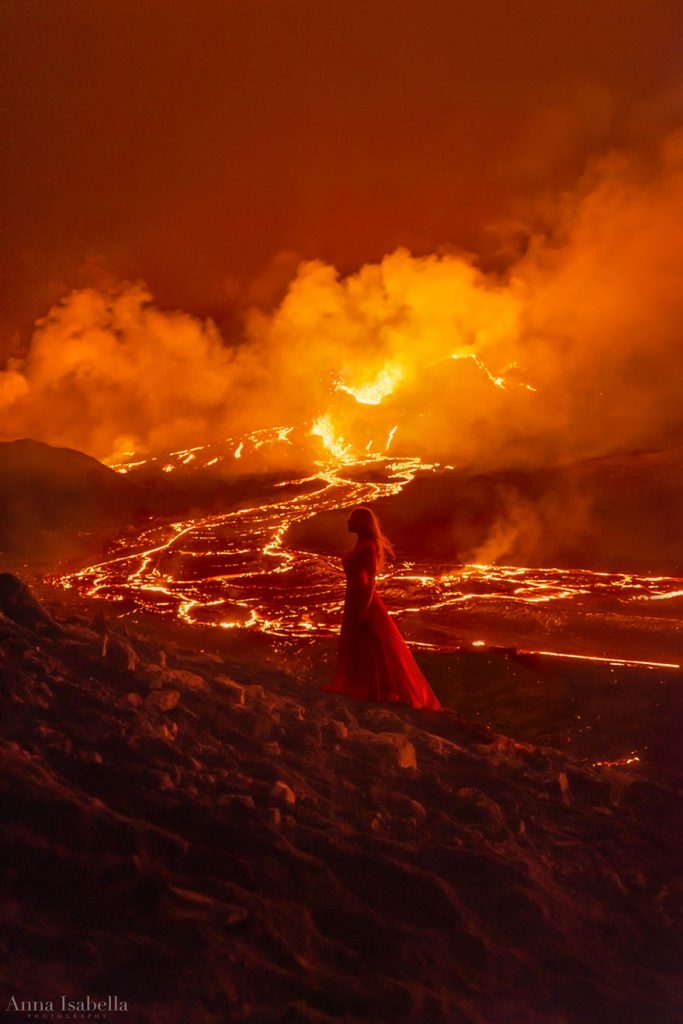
(239, 570)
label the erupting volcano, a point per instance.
(341, 481)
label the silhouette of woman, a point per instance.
(374, 662)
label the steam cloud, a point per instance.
(590, 317)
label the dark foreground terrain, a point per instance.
(215, 841)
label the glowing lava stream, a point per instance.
(250, 587)
(236, 569)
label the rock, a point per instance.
(439, 745)
(190, 680)
(54, 739)
(153, 676)
(254, 692)
(384, 720)
(283, 792)
(474, 806)
(275, 815)
(563, 783)
(168, 732)
(343, 712)
(255, 724)
(504, 745)
(240, 803)
(237, 799)
(273, 748)
(292, 708)
(302, 734)
(165, 700)
(339, 730)
(388, 748)
(186, 903)
(232, 689)
(119, 652)
(164, 781)
(134, 699)
(157, 677)
(18, 604)
(90, 757)
(76, 632)
(406, 807)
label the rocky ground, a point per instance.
(215, 840)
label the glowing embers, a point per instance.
(341, 451)
(619, 662)
(376, 390)
(204, 456)
(621, 762)
(335, 444)
(502, 381)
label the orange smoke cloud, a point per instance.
(575, 350)
(108, 372)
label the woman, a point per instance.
(374, 662)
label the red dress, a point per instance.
(374, 662)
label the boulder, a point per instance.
(479, 809)
(18, 604)
(232, 689)
(405, 807)
(438, 745)
(392, 749)
(165, 700)
(282, 791)
(119, 652)
(188, 680)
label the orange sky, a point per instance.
(190, 143)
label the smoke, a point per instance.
(108, 372)
(534, 529)
(573, 351)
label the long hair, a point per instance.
(368, 524)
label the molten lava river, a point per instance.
(240, 570)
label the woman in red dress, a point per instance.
(374, 662)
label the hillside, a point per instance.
(212, 840)
(618, 513)
(54, 501)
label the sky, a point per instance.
(206, 146)
(222, 216)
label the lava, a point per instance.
(376, 390)
(500, 381)
(237, 569)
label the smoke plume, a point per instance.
(572, 351)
